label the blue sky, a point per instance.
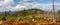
(39, 1)
(18, 5)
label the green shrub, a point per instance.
(4, 18)
(25, 18)
(11, 18)
(58, 19)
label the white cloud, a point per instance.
(7, 2)
(19, 7)
(6, 5)
(40, 5)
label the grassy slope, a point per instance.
(26, 13)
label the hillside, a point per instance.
(29, 12)
(25, 13)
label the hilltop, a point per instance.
(25, 12)
(29, 12)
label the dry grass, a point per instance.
(46, 22)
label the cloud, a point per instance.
(6, 5)
(39, 6)
(42, 6)
(8, 2)
(20, 7)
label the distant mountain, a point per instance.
(24, 12)
(29, 12)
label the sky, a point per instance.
(18, 5)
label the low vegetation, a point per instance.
(27, 16)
